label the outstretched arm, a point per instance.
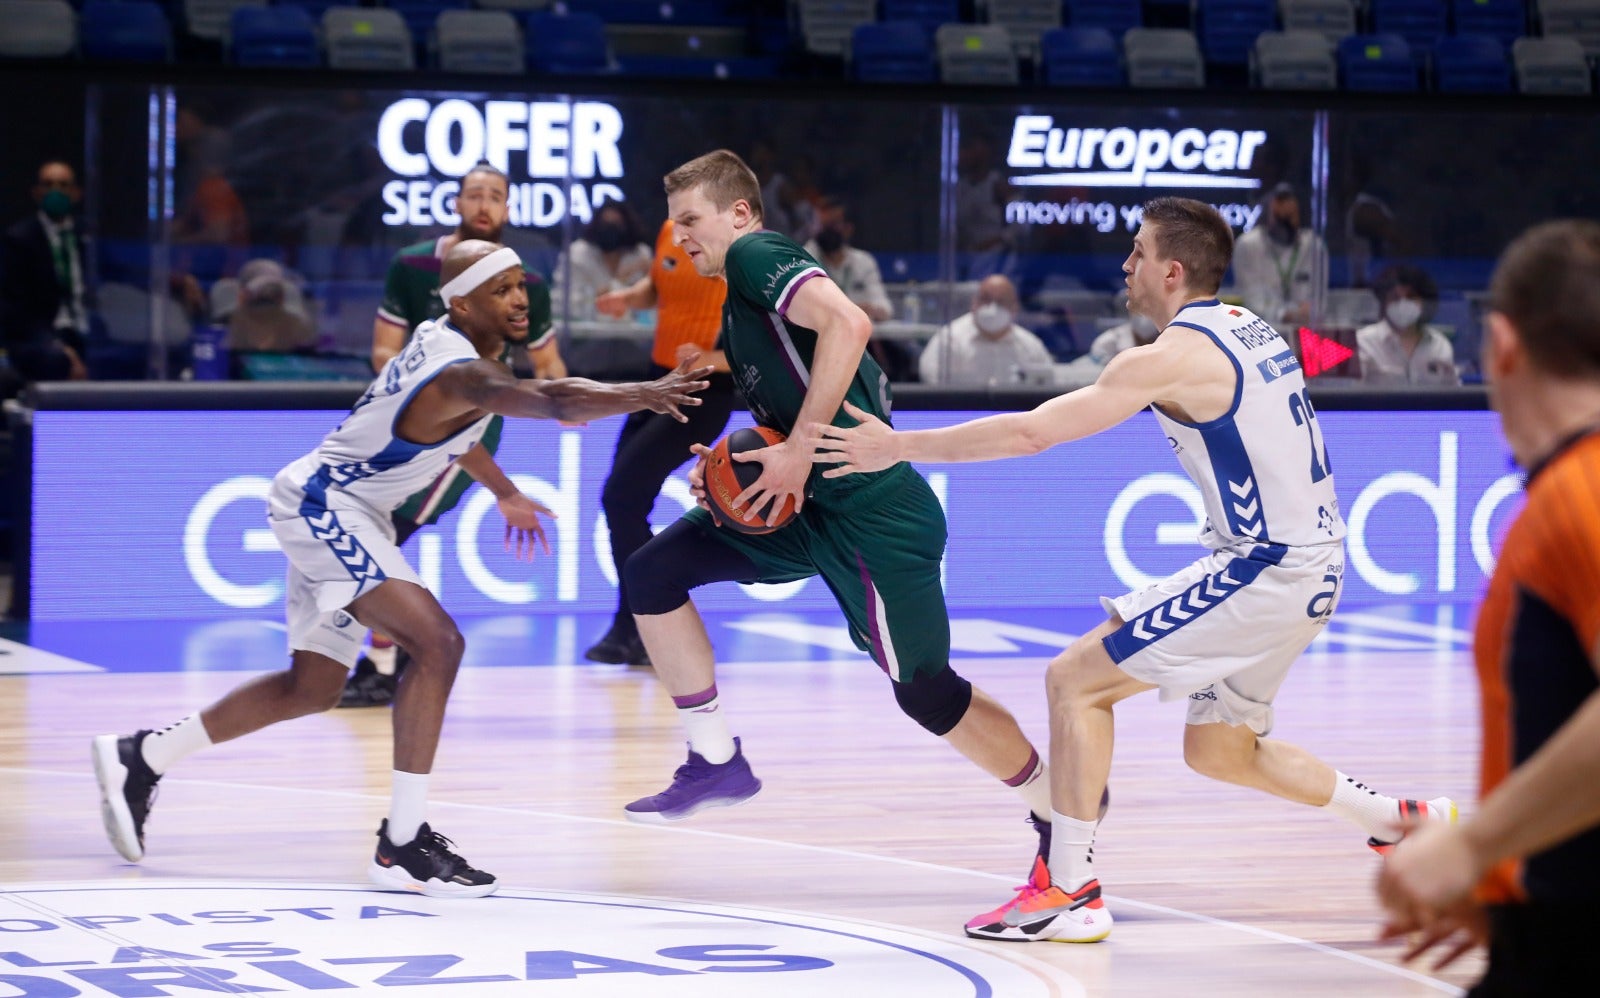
(491, 387)
(1132, 381)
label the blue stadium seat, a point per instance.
(1420, 22)
(1376, 62)
(124, 30)
(1080, 57)
(756, 67)
(1227, 29)
(892, 52)
(927, 13)
(419, 15)
(676, 12)
(1116, 16)
(316, 8)
(273, 36)
(1506, 20)
(567, 44)
(1471, 64)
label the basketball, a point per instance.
(725, 478)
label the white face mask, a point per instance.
(992, 317)
(1403, 314)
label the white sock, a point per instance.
(1377, 815)
(1071, 851)
(163, 748)
(408, 807)
(702, 718)
(382, 658)
(1032, 782)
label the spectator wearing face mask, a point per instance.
(1280, 267)
(854, 270)
(857, 274)
(985, 346)
(611, 255)
(1401, 348)
(1138, 331)
(45, 300)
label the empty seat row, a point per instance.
(1171, 58)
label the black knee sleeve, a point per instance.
(937, 702)
(680, 558)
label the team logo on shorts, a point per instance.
(342, 619)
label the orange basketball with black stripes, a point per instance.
(726, 478)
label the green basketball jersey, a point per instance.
(771, 357)
(411, 292)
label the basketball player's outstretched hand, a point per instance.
(676, 388)
(870, 445)
(1426, 890)
(523, 529)
(784, 470)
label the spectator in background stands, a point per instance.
(981, 192)
(611, 255)
(1280, 267)
(985, 346)
(1401, 348)
(45, 300)
(857, 274)
(1138, 331)
(263, 309)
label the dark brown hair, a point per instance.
(724, 178)
(1194, 234)
(1547, 284)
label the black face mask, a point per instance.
(829, 240)
(1281, 231)
(609, 237)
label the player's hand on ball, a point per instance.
(697, 477)
(523, 529)
(784, 469)
(870, 445)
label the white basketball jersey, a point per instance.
(363, 459)
(1262, 467)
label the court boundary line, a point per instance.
(1269, 934)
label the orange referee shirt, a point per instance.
(688, 306)
(1535, 643)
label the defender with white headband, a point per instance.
(331, 513)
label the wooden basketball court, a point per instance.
(864, 817)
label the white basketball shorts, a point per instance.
(1224, 631)
(335, 555)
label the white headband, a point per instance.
(472, 278)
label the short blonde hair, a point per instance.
(724, 178)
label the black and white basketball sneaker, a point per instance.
(428, 864)
(127, 789)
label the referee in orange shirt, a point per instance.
(651, 446)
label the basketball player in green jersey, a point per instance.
(795, 345)
(410, 298)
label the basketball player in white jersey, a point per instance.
(331, 513)
(1227, 392)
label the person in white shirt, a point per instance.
(611, 255)
(1401, 348)
(985, 346)
(1280, 267)
(854, 270)
(1139, 330)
